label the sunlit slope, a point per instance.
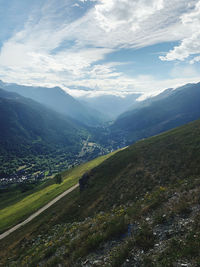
(11, 215)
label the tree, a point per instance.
(58, 178)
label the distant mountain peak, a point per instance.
(59, 100)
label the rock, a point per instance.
(97, 263)
(85, 262)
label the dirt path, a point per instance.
(34, 215)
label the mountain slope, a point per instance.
(23, 119)
(20, 206)
(162, 113)
(140, 208)
(59, 100)
(29, 128)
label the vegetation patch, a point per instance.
(13, 214)
(141, 208)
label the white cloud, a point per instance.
(76, 5)
(57, 48)
(195, 59)
(125, 23)
(111, 14)
(187, 71)
(147, 85)
(190, 44)
(30, 52)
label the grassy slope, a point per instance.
(153, 185)
(15, 193)
(15, 213)
(130, 173)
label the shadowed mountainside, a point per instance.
(58, 100)
(159, 114)
(31, 129)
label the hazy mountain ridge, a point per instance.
(111, 105)
(166, 111)
(29, 129)
(34, 118)
(59, 100)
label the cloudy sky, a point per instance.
(93, 46)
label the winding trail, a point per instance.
(37, 213)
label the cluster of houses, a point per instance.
(18, 179)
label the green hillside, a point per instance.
(22, 205)
(141, 208)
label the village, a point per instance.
(40, 170)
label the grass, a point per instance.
(13, 214)
(135, 201)
(15, 192)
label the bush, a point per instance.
(119, 254)
(145, 238)
(58, 178)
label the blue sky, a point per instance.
(106, 46)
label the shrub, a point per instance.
(145, 238)
(58, 178)
(121, 253)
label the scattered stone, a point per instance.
(97, 263)
(86, 262)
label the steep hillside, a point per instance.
(23, 119)
(169, 110)
(59, 100)
(30, 129)
(17, 204)
(140, 208)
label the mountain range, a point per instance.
(137, 206)
(56, 121)
(24, 121)
(30, 129)
(111, 105)
(170, 109)
(58, 100)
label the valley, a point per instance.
(36, 142)
(21, 203)
(122, 192)
(100, 133)
(34, 169)
(140, 207)
(41, 142)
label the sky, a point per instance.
(91, 47)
